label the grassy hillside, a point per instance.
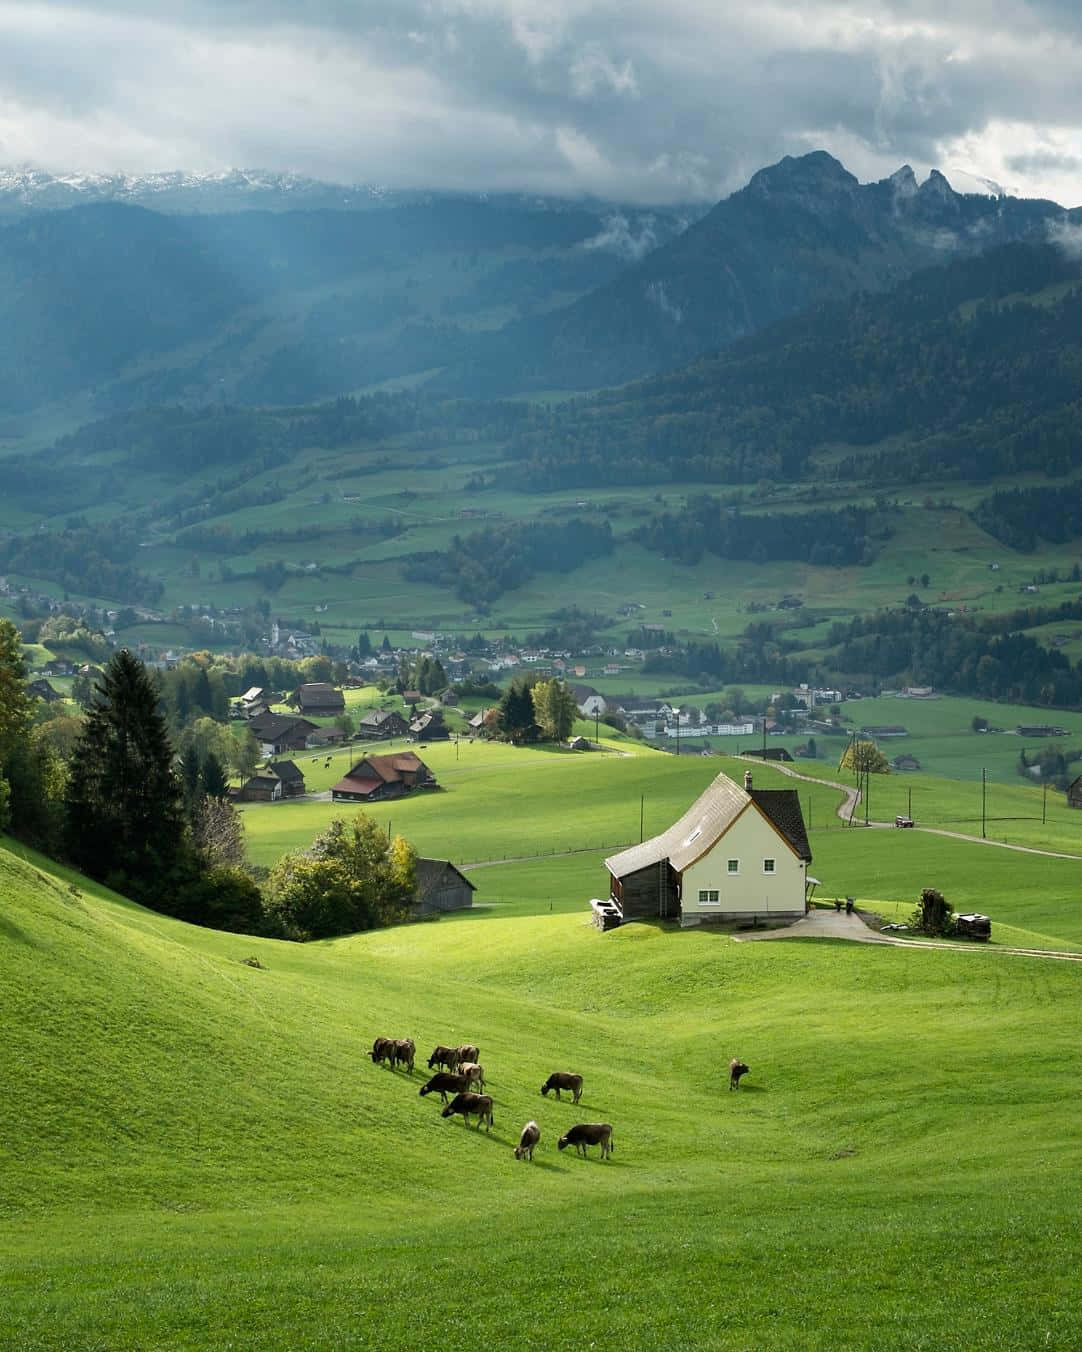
(200, 1154)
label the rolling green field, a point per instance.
(200, 1155)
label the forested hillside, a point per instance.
(970, 370)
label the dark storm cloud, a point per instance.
(637, 99)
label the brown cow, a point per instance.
(474, 1073)
(588, 1133)
(444, 1057)
(382, 1049)
(562, 1079)
(466, 1104)
(736, 1069)
(467, 1052)
(531, 1134)
(441, 1082)
(403, 1053)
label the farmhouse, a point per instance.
(441, 887)
(1074, 792)
(277, 733)
(430, 725)
(590, 702)
(381, 724)
(885, 730)
(43, 690)
(737, 853)
(251, 704)
(375, 778)
(278, 780)
(1040, 730)
(770, 753)
(320, 699)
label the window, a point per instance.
(768, 866)
(733, 866)
(708, 897)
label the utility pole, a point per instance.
(909, 800)
(984, 800)
(642, 804)
(1044, 802)
(867, 781)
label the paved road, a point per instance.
(848, 807)
(838, 925)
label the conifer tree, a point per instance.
(123, 801)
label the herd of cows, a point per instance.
(458, 1069)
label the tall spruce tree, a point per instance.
(123, 801)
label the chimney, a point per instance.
(747, 781)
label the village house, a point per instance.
(736, 854)
(441, 887)
(381, 724)
(376, 778)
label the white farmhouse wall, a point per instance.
(750, 892)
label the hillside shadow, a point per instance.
(9, 930)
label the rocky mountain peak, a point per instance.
(813, 175)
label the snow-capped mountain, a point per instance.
(23, 190)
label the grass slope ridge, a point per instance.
(207, 1155)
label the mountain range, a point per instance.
(119, 307)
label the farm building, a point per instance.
(1074, 792)
(276, 733)
(375, 778)
(441, 887)
(770, 753)
(905, 763)
(43, 690)
(251, 704)
(430, 724)
(381, 724)
(737, 853)
(278, 780)
(320, 699)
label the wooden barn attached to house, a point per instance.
(381, 724)
(430, 725)
(441, 887)
(1074, 792)
(272, 783)
(376, 778)
(736, 854)
(277, 733)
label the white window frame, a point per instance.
(770, 866)
(709, 896)
(732, 867)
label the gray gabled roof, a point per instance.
(707, 820)
(711, 814)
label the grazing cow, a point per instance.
(441, 1082)
(403, 1053)
(588, 1133)
(382, 1049)
(474, 1073)
(736, 1069)
(467, 1104)
(444, 1057)
(531, 1134)
(561, 1079)
(467, 1052)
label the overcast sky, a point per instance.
(632, 99)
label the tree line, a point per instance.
(119, 804)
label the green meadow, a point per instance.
(199, 1153)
